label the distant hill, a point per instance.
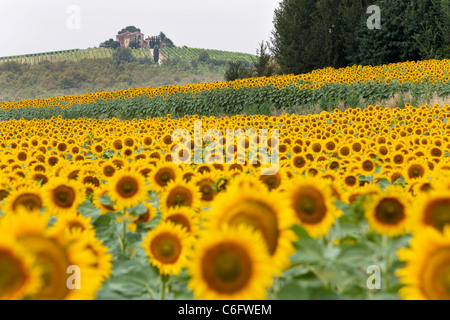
(69, 72)
(182, 53)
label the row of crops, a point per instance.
(357, 207)
(287, 92)
(183, 53)
(67, 55)
(188, 54)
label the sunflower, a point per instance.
(180, 193)
(127, 189)
(148, 215)
(311, 200)
(267, 212)
(168, 247)
(162, 175)
(72, 222)
(19, 276)
(101, 191)
(25, 197)
(54, 254)
(432, 209)
(205, 185)
(183, 216)
(426, 275)
(62, 196)
(274, 180)
(230, 264)
(100, 266)
(415, 169)
(387, 213)
(108, 169)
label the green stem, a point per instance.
(386, 256)
(163, 287)
(124, 240)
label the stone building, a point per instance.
(127, 37)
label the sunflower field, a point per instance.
(357, 206)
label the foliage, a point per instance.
(110, 44)
(311, 34)
(123, 55)
(236, 70)
(129, 29)
(156, 54)
(263, 65)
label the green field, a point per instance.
(182, 53)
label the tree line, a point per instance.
(311, 34)
(315, 34)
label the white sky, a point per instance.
(34, 26)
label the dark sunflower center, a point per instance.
(437, 213)
(29, 201)
(127, 187)
(73, 225)
(309, 204)
(166, 248)
(227, 268)
(368, 165)
(74, 174)
(389, 211)
(11, 273)
(179, 196)
(3, 194)
(181, 220)
(398, 159)
(330, 146)
(299, 162)
(164, 176)
(350, 181)
(52, 260)
(260, 216)
(63, 196)
(91, 179)
(436, 275)
(345, 151)
(415, 171)
(109, 171)
(22, 156)
(272, 181)
(144, 217)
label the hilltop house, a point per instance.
(127, 37)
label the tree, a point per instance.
(169, 43)
(203, 56)
(156, 54)
(312, 34)
(110, 44)
(162, 36)
(123, 55)
(129, 29)
(433, 34)
(291, 36)
(236, 70)
(262, 65)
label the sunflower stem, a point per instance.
(124, 240)
(164, 279)
(386, 253)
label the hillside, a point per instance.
(77, 71)
(183, 53)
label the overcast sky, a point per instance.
(34, 26)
